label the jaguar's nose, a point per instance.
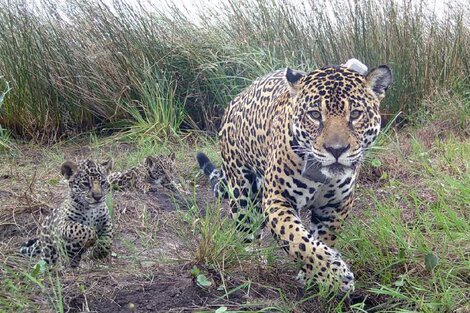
(337, 151)
(97, 196)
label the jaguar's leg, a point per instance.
(31, 248)
(105, 239)
(244, 201)
(319, 261)
(49, 252)
(74, 251)
(326, 221)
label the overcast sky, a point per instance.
(439, 7)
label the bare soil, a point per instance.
(175, 292)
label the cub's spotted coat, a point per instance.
(81, 222)
(146, 176)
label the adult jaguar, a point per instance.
(81, 222)
(291, 141)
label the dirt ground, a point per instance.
(153, 252)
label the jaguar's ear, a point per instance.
(149, 161)
(293, 78)
(68, 169)
(108, 165)
(379, 79)
(172, 156)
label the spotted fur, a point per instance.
(146, 176)
(295, 141)
(81, 222)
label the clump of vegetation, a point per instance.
(5, 142)
(87, 63)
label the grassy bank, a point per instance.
(92, 64)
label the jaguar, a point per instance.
(293, 141)
(146, 176)
(81, 222)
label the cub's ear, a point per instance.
(172, 156)
(68, 169)
(149, 161)
(293, 78)
(379, 79)
(108, 165)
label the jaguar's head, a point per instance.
(87, 180)
(336, 114)
(159, 165)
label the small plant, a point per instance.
(221, 245)
(200, 278)
(109, 204)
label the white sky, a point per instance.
(439, 7)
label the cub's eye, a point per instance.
(86, 184)
(355, 114)
(316, 115)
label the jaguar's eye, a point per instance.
(355, 114)
(316, 115)
(86, 184)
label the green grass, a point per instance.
(136, 157)
(218, 244)
(19, 284)
(93, 64)
(427, 218)
(397, 253)
(158, 114)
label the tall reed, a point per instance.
(86, 64)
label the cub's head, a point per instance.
(336, 114)
(87, 180)
(159, 165)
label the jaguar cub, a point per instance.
(81, 222)
(146, 176)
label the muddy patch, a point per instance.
(161, 295)
(164, 293)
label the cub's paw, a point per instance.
(102, 248)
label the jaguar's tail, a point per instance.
(30, 248)
(216, 176)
